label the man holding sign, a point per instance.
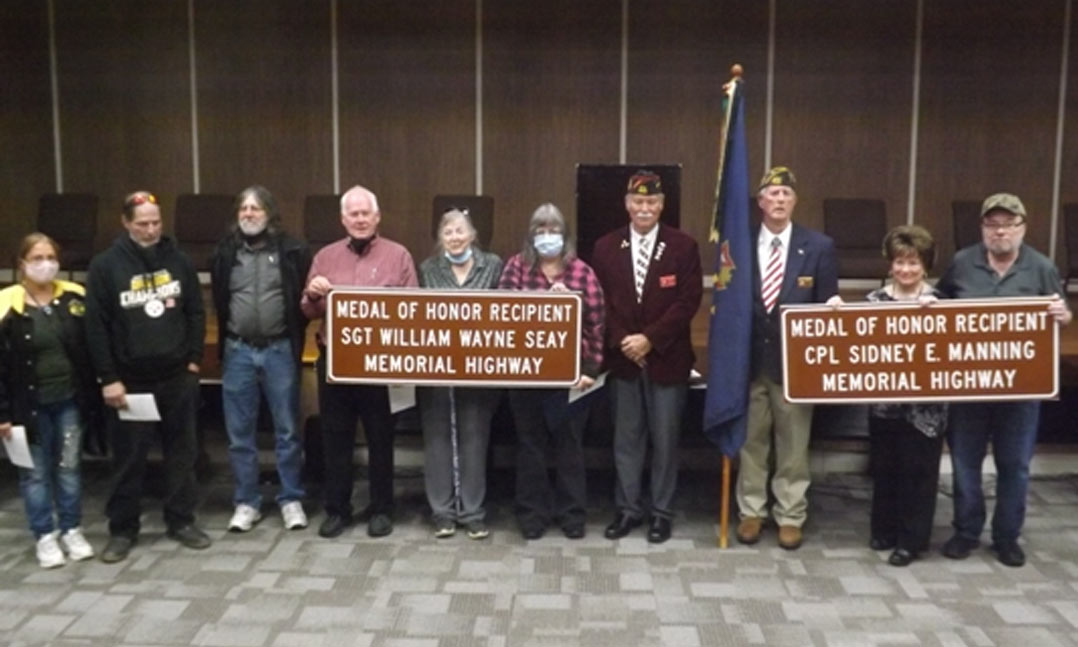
(999, 266)
(360, 259)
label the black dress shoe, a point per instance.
(1009, 553)
(958, 547)
(574, 531)
(659, 530)
(879, 543)
(333, 525)
(901, 557)
(622, 525)
(532, 532)
(117, 549)
(379, 525)
(190, 536)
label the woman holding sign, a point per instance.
(456, 421)
(905, 439)
(44, 377)
(542, 417)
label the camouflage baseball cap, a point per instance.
(1004, 201)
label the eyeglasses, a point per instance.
(1002, 226)
(140, 199)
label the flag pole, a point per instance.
(724, 507)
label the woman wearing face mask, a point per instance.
(456, 421)
(45, 377)
(541, 417)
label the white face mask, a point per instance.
(41, 271)
(548, 244)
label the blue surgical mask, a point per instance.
(548, 244)
(461, 258)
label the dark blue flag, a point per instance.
(730, 336)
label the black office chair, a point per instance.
(857, 226)
(966, 218)
(71, 220)
(480, 209)
(202, 219)
(322, 220)
(1070, 228)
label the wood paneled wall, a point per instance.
(27, 163)
(264, 99)
(551, 82)
(989, 97)
(125, 99)
(551, 100)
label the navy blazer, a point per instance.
(672, 292)
(811, 276)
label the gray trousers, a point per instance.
(643, 411)
(474, 409)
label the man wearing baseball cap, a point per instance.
(999, 266)
(793, 265)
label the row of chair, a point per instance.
(200, 220)
(858, 227)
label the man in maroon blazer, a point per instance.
(652, 282)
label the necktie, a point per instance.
(641, 267)
(769, 290)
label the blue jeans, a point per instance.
(1012, 429)
(248, 373)
(57, 453)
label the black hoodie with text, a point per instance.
(144, 315)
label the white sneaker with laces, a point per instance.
(244, 518)
(76, 545)
(49, 554)
(293, 515)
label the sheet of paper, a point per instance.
(18, 450)
(141, 407)
(401, 397)
(576, 394)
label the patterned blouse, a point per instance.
(577, 277)
(930, 418)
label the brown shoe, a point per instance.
(790, 537)
(748, 531)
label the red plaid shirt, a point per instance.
(578, 277)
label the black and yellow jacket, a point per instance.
(18, 377)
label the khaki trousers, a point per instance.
(780, 428)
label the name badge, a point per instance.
(805, 281)
(668, 281)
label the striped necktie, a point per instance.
(641, 267)
(769, 290)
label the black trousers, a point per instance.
(906, 468)
(341, 407)
(177, 402)
(543, 421)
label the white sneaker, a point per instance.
(244, 518)
(49, 554)
(76, 545)
(293, 515)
